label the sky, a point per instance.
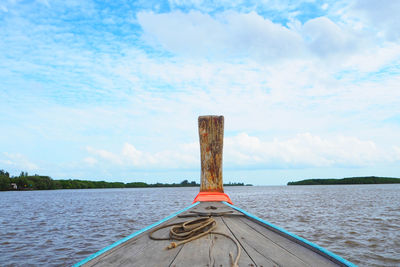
(111, 90)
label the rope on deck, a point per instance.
(191, 230)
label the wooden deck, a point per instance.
(260, 245)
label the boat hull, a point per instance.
(261, 244)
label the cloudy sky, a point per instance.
(112, 91)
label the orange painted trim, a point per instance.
(212, 196)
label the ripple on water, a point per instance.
(360, 223)
(352, 243)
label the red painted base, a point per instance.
(212, 196)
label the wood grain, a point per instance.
(211, 134)
(260, 246)
(268, 248)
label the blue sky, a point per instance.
(112, 91)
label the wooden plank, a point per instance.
(222, 246)
(262, 250)
(310, 256)
(210, 208)
(139, 251)
(260, 246)
(194, 253)
(211, 250)
(142, 251)
(267, 248)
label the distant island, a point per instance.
(349, 180)
(40, 182)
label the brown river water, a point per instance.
(360, 223)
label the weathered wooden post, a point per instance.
(211, 134)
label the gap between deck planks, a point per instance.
(259, 246)
(139, 251)
(268, 248)
(211, 250)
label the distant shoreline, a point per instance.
(25, 182)
(348, 180)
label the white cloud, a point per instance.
(18, 161)
(374, 59)
(335, 75)
(244, 151)
(183, 157)
(135, 156)
(303, 150)
(326, 37)
(90, 161)
(231, 34)
(228, 34)
(342, 41)
(104, 154)
(383, 16)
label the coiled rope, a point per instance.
(193, 229)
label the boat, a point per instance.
(212, 231)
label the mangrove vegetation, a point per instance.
(39, 182)
(349, 180)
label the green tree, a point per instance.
(4, 173)
(5, 183)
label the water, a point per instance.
(361, 223)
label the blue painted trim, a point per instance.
(98, 253)
(321, 249)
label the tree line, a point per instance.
(39, 182)
(350, 180)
